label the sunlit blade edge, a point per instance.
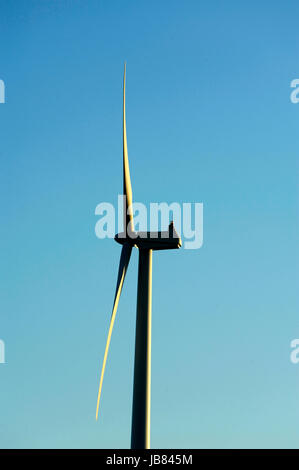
(128, 215)
(123, 265)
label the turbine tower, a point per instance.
(145, 242)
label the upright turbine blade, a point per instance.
(123, 265)
(128, 210)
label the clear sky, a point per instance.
(209, 119)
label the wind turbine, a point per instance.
(145, 242)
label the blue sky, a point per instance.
(209, 119)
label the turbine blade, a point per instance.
(123, 265)
(128, 215)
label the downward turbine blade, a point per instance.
(123, 265)
(128, 211)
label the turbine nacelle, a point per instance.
(162, 240)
